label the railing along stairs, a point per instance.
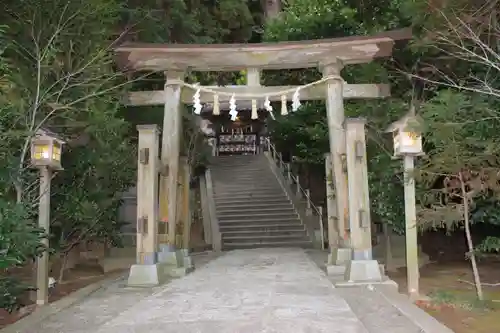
(291, 184)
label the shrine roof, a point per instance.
(280, 55)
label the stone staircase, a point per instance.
(252, 208)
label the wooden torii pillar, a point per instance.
(330, 55)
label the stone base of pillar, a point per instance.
(175, 263)
(187, 261)
(168, 258)
(362, 254)
(339, 256)
(363, 271)
(339, 270)
(176, 272)
(144, 275)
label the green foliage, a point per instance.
(461, 134)
(303, 134)
(461, 139)
(68, 85)
(19, 238)
(19, 242)
(191, 21)
(11, 290)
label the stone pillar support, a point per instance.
(362, 267)
(359, 201)
(146, 272)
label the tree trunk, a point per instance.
(470, 245)
(64, 262)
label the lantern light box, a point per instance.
(46, 150)
(407, 137)
(407, 142)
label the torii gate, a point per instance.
(329, 55)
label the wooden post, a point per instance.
(179, 223)
(186, 199)
(331, 208)
(170, 152)
(147, 194)
(253, 80)
(205, 209)
(298, 192)
(288, 170)
(253, 77)
(308, 203)
(411, 229)
(42, 262)
(335, 116)
(359, 201)
(321, 229)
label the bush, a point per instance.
(19, 242)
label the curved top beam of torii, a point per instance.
(281, 55)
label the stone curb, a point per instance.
(419, 317)
(23, 324)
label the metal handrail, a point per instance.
(278, 159)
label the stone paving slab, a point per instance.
(247, 291)
(381, 308)
(89, 313)
(261, 290)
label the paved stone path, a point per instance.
(249, 291)
(253, 291)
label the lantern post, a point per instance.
(407, 140)
(46, 151)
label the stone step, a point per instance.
(253, 179)
(261, 234)
(241, 246)
(243, 217)
(257, 167)
(254, 222)
(227, 239)
(221, 207)
(224, 158)
(241, 172)
(224, 179)
(248, 188)
(236, 159)
(285, 227)
(252, 193)
(246, 202)
(252, 210)
(242, 195)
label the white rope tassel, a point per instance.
(296, 100)
(232, 107)
(255, 115)
(216, 109)
(269, 107)
(284, 110)
(196, 102)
